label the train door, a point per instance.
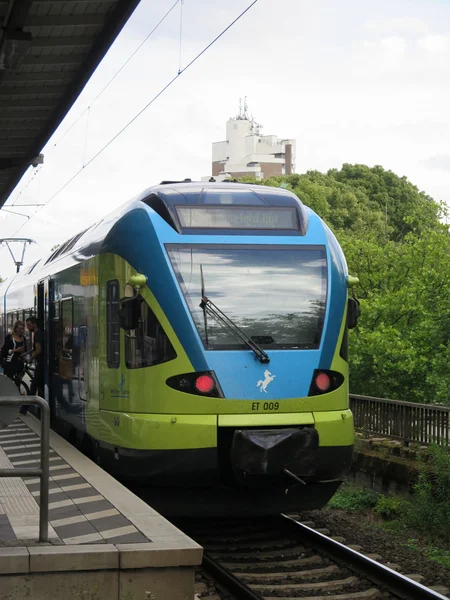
(41, 304)
(83, 369)
(52, 362)
(40, 313)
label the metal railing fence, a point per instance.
(407, 421)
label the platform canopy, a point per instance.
(48, 51)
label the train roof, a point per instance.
(201, 192)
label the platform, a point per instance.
(105, 542)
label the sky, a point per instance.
(352, 81)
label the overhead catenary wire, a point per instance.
(30, 180)
(181, 35)
(138, 114)
(86, 136)
(13, 212)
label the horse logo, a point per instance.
(263, 383)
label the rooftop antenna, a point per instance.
(243, 110)
(24, 241)
(255, 126)
(245, 113)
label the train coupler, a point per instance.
(261, 454)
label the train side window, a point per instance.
(66, 331)
(56, 338)
(112, 324)
(148, 344)
(67, 328)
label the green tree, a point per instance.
(401, 348)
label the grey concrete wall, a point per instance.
(141, 584)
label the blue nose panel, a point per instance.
(287, 375)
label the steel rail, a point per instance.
(396, 583)
(230, 582)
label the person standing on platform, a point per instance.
(37, 383)
(13, 350)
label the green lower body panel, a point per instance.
(141, 431)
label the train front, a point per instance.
(256, 293)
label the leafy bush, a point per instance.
(391, 508)
(353, 499)
(430, 509)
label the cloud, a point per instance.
(411, 25)
(383, 55)
(434, 43)
(439, 162)
(394, 49)
(394, 44)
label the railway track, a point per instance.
(283, 559)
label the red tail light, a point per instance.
(204, 384)
(325, 381)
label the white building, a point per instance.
(246, 152)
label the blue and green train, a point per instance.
(196, 345)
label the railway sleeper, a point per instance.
(230, 538)
(298, 562)
(252, 547)
(291, 575)
(335, 584)
(274, 554)
(393, 566)
(371, 594)
(336, 538)
(440, 589)
(206, 527)
(415, 577)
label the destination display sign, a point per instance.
(237, 217)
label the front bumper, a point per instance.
(196, 449)
(201, 467)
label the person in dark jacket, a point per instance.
(37, 383)
(13, 349)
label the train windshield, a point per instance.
(276, 295)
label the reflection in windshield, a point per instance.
(276, 295)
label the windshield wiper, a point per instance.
(205, 318)
(222, 318)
